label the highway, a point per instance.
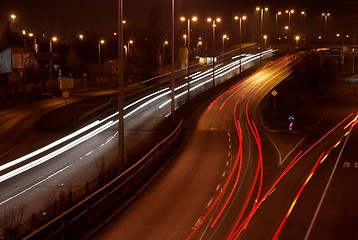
(69, 162)
(209, 189)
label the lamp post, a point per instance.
(261, 27)
(265, 39)
(325, 15)
(214, 21)
(297, 39)
(198, 47)
(304, 14)
(353, 55)
(337, 38)
(165, 43)
(122, 162)
(276, 29)
(287, 28)
(130, 42)
(188, 45)
(172, 105)
(225, 37)
(240, 34)
(35, 46)
(289, 12)
(53, 39)
(81, 37)
(99, 61)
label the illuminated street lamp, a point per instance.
(188, 45)
(286, 29)
(81, 37)
(213, 21)
(225, 37)
(261, 27)
(122, 161)
(240, 34)
(265, 39)
(337, 37)
(304, 14)
(99, 61)
(276, 30)
(325, 15)
(13, 17)
(185, 37)
(130, 42)
(35, 46)
(289, 12)
(165, 43)
(53, 39)
(297, 39)
(198, 45)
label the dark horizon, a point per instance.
(70, 18)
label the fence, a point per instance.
(76, 212)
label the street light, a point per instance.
(213, 21)
(130, 42)
(187, 39)
(165, 43)
(337, 38)
(325, 15)
(122, 162)
(81, 37)
(287, 28)
(276, 30)
(265, 38)
(240, 40)
(261, 27)
(225, 37)
(35, 46)
(289, 12)
(198, 47)
(13, 17)
(99, 61)
(53, 39)
(304, 26)
(297, 39)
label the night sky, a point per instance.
(70, 16)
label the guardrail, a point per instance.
(79, 218)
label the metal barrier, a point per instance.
(73, 222)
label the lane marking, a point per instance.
(27, 189)
(325, 191)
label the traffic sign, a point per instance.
(291, 117)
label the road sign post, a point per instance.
(274, 93)
(291, 119)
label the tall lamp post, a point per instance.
(198, 47)
(214, 21)
(289, 12)
(304, 14)
(165, 43)
(122, 162)
(172, 50)
(240, 34)
(225, 37)
(261, 27)
(265, 40)
(325, 15)
(99, 61)
(276, 29)
(53, 39)
(188, 45)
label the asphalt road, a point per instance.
(71, 169)
(211, 185)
